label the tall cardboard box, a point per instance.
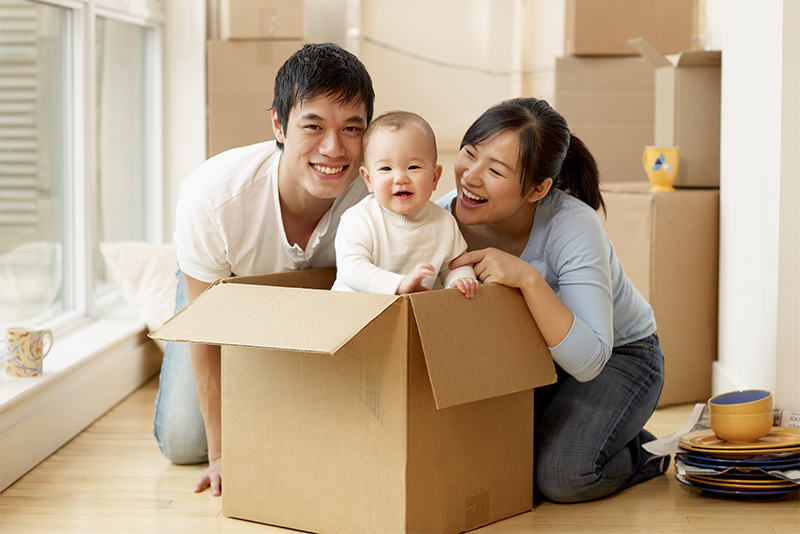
(687, 110)
(603, 27)
(240, 83)
(354, 412)
(609, 103)
(668, 244)
(262, 19)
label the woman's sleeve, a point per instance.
(355, 264)
(579, 255)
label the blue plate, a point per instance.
(773, 466)
(741, 494)
(716, 463)
(735, 474)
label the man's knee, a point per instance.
(181, 448)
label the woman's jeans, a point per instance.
(589, 435)
(178, 423)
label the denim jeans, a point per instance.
(178, 423)
(589, 435)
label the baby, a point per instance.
(396, 241)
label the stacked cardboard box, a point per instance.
(608, 92)
(630, 79)
(609, 103)
(602, 28)
(668, 244)
(258, 36)
(687, 109)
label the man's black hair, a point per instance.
(321, 69)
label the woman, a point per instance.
(526, 200)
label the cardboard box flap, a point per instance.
(649, 52)
(689, 58)
(697, 58)
(472, 365)
(274, 317)
(304, 278)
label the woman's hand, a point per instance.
(212, 477)
(493, 266)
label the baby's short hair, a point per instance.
(398, 120)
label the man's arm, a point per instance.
(206, 367)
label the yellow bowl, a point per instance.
(747, 401)
(741, 428)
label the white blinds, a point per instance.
(23, 177)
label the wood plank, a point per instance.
(112, 478)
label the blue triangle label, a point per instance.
(662, 162)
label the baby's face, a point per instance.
(400, 169)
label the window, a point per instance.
(79, 150)
(123, 155)
(34, 108)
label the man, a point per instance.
(269, 207)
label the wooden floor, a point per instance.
(112, 479)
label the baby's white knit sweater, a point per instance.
(376, 248)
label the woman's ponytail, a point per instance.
(579, 175)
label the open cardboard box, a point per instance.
(687, 110)
(355, 412)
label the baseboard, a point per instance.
(42, 421)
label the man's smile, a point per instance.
(328, 170)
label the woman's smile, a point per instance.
(471, 199)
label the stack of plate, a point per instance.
(741, 469)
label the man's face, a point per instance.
(321, 146)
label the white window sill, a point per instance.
(87, 373)
(70, 352)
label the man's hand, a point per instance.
(467, 286)
(412, 283)
(212, 477)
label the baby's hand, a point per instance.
(412, 283)
(467, 286)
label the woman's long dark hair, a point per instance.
(547, 149)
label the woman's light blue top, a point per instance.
(570, 248)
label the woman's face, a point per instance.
(487, 181)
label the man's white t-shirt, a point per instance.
(228, 219)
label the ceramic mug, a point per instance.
(661, 165)
(26, 347)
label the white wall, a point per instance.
(326, 21)
(184, 98)
(542, 43)
(449, 60)
(787, 362)
(758, 196)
